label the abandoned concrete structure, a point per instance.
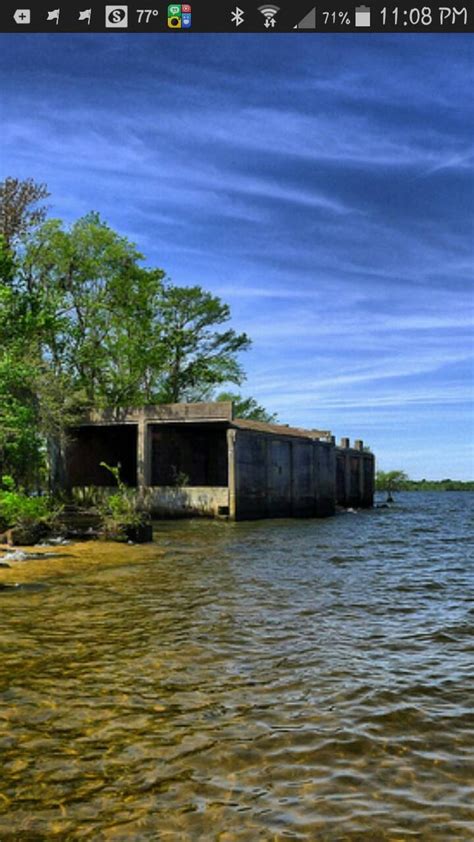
(197, 459)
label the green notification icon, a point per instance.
(179, 16)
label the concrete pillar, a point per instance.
(143, 455)
(359, 445)
(232, 472)
(345, 443)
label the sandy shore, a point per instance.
(38, 563)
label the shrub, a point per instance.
(119, 511)
(19, 510)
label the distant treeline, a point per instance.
(438, 485)
(390, 481)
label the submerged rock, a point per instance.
(55, 542)
(142, 534)
(23, 586)
(18, 555)
(22, 555)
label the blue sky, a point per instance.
(321, 185)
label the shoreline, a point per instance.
(63, 560)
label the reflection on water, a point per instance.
(266, 681)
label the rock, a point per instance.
(55, 542)
(25, 535)
(4, 564)
(142, 534)
(18, 555)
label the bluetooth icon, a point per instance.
(237, 16)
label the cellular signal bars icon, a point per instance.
(308, 22)
(269, 13)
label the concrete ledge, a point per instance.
(166, 501)
(169, 501)
(170, 412)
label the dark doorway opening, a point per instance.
(189, 454)
(89, 446)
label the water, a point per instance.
(277, 680)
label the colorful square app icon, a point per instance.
(179, 16)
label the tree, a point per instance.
(100, 309)
(121, 334)
(21, 452)
(248, 408)
(390, 481)
(19, 211)
(196, 355)
(21, 446)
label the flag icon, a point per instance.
(54, 15)
(86, 15)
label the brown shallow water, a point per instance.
(307, 680)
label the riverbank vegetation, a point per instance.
(25, 518)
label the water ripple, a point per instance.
(307, 680)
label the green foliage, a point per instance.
(21, 446)
(390, 481)
(17, 509)
(119, 511)
(248, 408)
(439, 485)
(196, 356)
(7, 482)
(180, 478)
(122, 334)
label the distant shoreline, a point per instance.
(433, 485)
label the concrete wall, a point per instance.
(280, 476)
(165, 501)
(355, 476)
(174, 502)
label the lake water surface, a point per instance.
(278, 680)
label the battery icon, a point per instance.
(362, 16)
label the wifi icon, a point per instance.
(269, 13)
